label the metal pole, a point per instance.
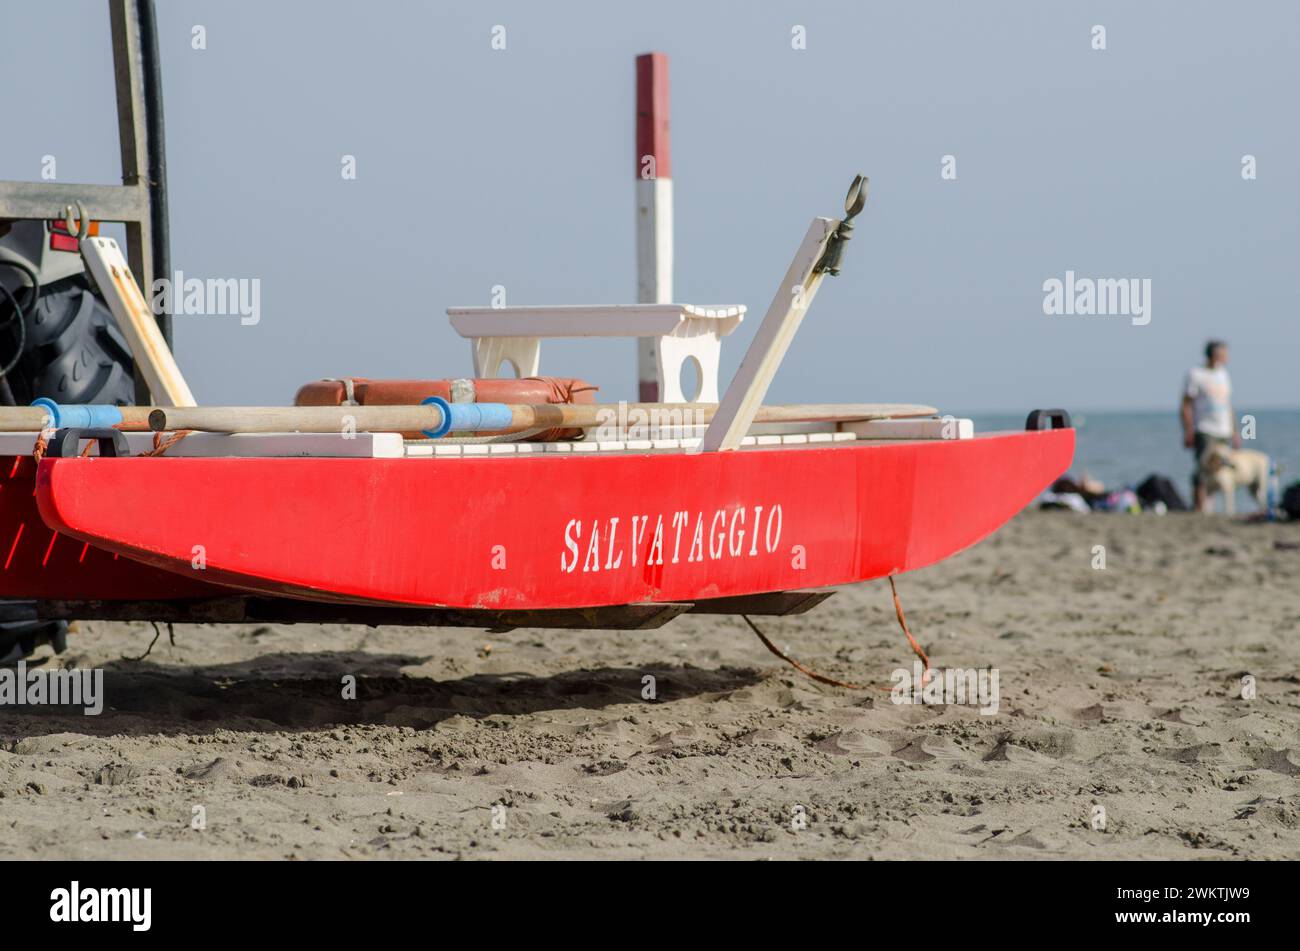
(159, 227)
(140, 137)
(654, 208)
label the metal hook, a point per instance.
(856, 198)
(854, 202)
(82, 228)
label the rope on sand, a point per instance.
(902, 622)
(156, 634)
(171, 636)
(831, 681)
(806, 671)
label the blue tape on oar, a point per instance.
(444, 426)
(80, 415)
(468, 417)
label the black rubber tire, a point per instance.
(19, 640)
(74, 352)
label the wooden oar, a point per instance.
(513, 418)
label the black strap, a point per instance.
(66, 443)
(1048, 419)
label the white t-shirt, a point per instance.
(1211, 394)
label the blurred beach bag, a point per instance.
(1158, 488)
(1291, 501)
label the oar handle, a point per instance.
(297, 419)
(47, 414)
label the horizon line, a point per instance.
(1172, 410)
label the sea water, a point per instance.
(1123, 448)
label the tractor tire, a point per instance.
(73, 351)
(19, 640)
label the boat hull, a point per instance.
(37, 561)
(553, 530)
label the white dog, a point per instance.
(1225, 469)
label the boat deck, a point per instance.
(393, 446)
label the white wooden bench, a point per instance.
(682, 333)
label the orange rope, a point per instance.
(806, 671)
(161, 445)
(902, 621)
(831, 681)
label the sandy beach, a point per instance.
(1119, 688)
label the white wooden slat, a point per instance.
(594, 320)
(247, 445)
(153, 358)
(942, 428)
(452, 450)
(801, 429)
(749, 386)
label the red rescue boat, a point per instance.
(497, 498)
(554, 531)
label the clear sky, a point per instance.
(477, 167)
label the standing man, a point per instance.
(1207, 414)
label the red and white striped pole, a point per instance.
(654, 207)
